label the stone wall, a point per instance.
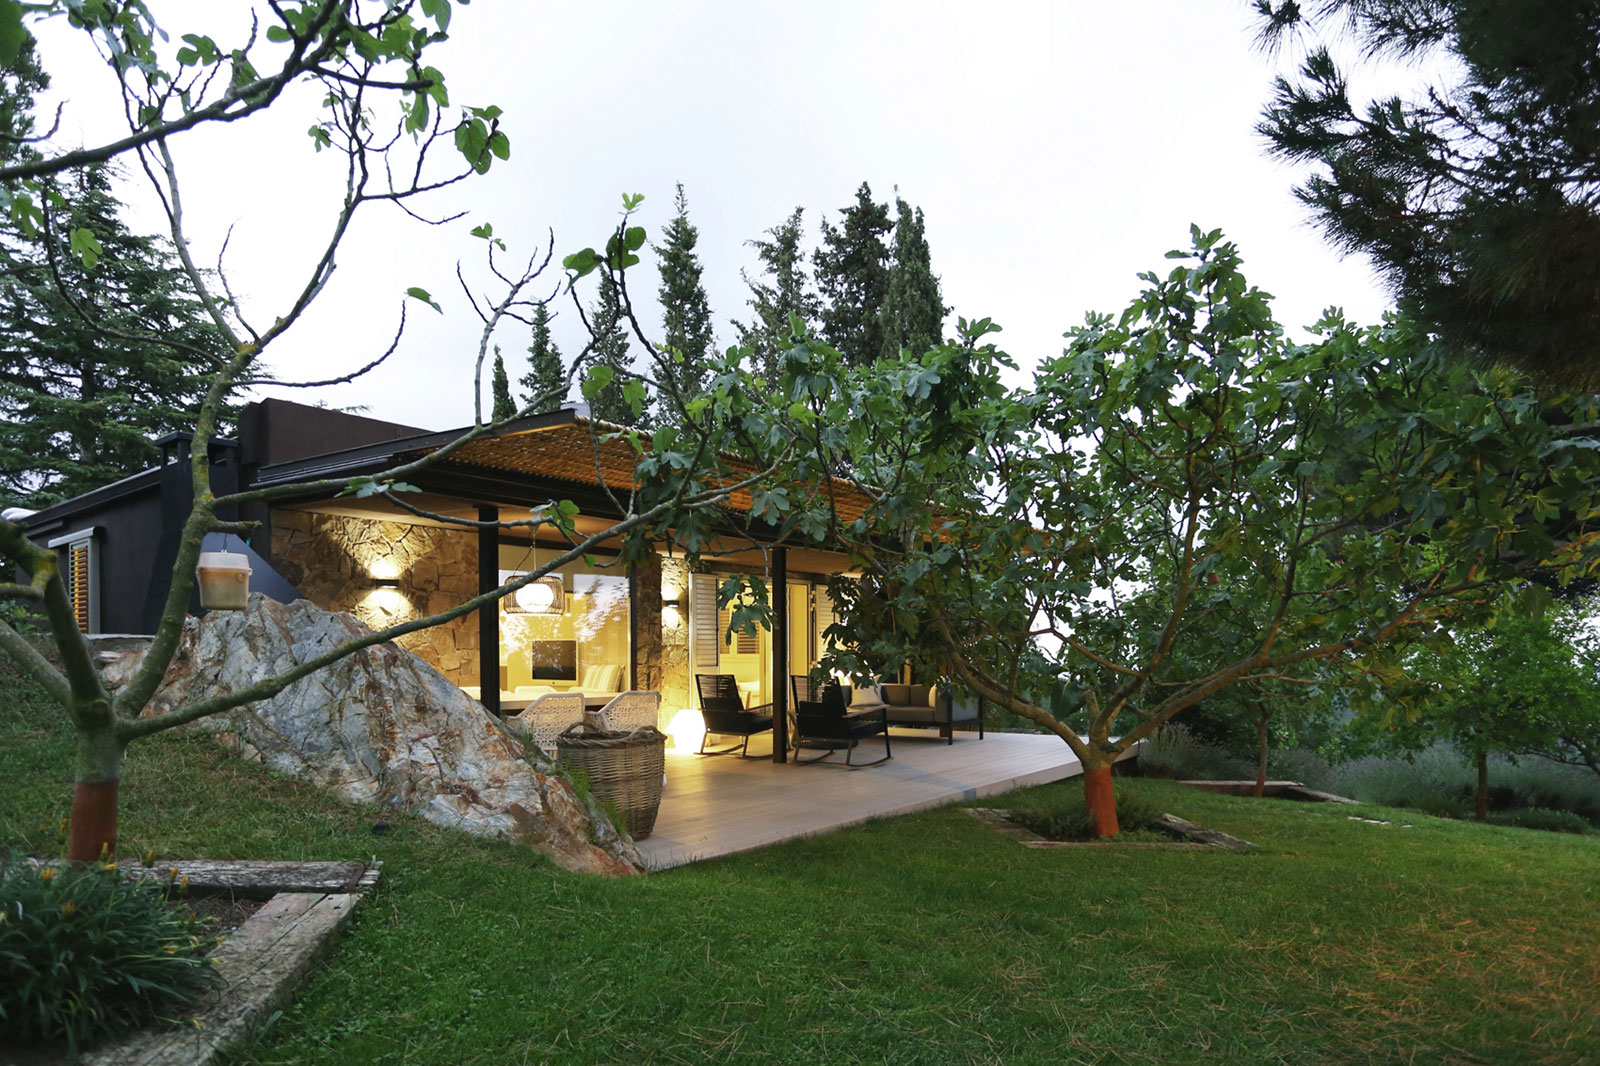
(647, 626)
(674, 672)
(336, 562)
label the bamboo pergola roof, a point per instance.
(584, 452)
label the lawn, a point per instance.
(926, 939)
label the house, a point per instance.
(595, 623)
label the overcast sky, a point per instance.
(1057, 149)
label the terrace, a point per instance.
(722, 806)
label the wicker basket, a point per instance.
(625, 769)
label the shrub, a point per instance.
(1175, 751)
(1302, 765)
(1439, 781)
(1061, 814)
(88, 955)
(1541, 818)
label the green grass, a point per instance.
(926, 939)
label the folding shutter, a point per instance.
(824, 618)
(743, 643)
(80, 572)
(705, 634)
(78, 567)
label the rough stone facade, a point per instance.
(379, 726)
(336, 562)
(674, 670)
(647, 626)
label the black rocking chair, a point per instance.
(821, 720)
(725, 714)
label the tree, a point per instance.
(619, 396)
(502, 406)
(853, 276)
(1074, 551)
(367, 64)
(913, 316)
(686, 313)
(545, 384)
(81, 413)
(1525, 686)
(1476, 198)
(786, 295)
(84, 386)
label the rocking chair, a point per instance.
(725, 714)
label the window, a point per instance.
(80, 571)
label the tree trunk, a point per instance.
(93, 826)
(1482, 811)
(1261, 757)
(1100, 800)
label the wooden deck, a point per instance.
(722, 805)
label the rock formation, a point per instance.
(381, 726)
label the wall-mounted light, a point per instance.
(672, 612)
(386, 583)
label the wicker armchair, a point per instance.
(633, 709)
(725, 714)
(544, 719)
(821, 720)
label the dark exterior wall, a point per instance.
(127, 536)
(335, 562)
(280, 431)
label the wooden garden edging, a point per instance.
(263, 962)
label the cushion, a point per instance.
(895, 695)
(600, 678)
(933, 695)
(863, 696)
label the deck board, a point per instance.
(716, 806)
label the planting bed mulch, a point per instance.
(1181, 834)
(221, 915)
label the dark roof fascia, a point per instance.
(356, 461)
(143, 481)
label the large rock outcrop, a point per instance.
(381, 726)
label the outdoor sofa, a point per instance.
(924, 705)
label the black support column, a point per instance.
(780, 655)
(489, 614)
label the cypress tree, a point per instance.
(504, 406)
(686, 313)
(611, 350)
(853, 276)
(913, 316)
(786, 292)
(544, 386)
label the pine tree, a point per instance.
(504, 406)
(912, 316)
(853, 276)
(787, 292)
(1477, 196)
(544, 386)
(611, 350)
(686, 313)
(82, 403)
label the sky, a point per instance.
(1057, 148)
